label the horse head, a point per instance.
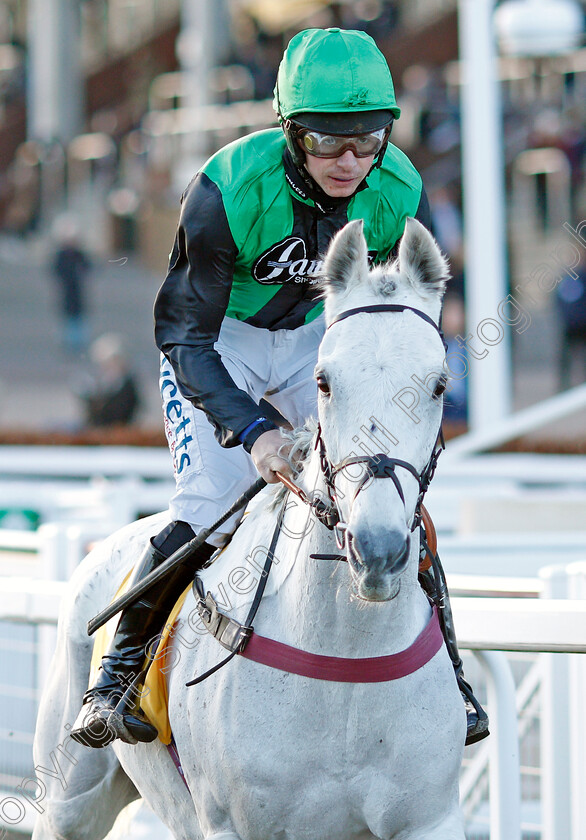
(380, 377)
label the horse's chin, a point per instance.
(377, 588)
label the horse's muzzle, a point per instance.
(377, 560)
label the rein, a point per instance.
(231, 634)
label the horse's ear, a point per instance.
(346, 261)
(421, 261)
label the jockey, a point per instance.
(239, 318)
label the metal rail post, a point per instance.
(577, 691)
(555, 726)
(54, 87)
(482, 171)
(504, 767)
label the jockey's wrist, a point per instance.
(252, 432)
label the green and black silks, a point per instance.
(248, 244)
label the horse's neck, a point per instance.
(315, 608)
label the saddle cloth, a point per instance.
(154, 695)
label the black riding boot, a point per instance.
(434, 583)
(109, 708)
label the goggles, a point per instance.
(333, 145)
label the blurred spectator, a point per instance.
(12, 72)
(71, 266)
(258, 52)
(23, 184)
(447, 227)
(439, 116)
(446, 220)
(263, 62)
(571, 299)
(563, 130)
(573, 143)
(453, 324)
(111, 396)
(377, 18)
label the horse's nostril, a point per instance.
(399, 561)
(382, 550)
(352, 547)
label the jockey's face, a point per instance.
(339, 177)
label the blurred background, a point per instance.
(107, 108)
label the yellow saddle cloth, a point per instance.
(154, 697)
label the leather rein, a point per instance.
(241, 639)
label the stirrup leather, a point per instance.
(231, 634)
(434, 584)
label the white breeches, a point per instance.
(275, 365)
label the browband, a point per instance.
(386, 307)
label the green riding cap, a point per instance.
(333, 71)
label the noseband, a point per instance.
(379, 465)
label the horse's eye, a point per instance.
(322, 384)
(441, 385)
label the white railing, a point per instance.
(117, 484)
(85, 462)
(30, 600)
(154, 463)
(518, 424)
(493, 624)
(95, 490)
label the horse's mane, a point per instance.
(301, 441)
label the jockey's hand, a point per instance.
(269, 453)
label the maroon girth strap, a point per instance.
(338, 669)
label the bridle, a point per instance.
(378, 465)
